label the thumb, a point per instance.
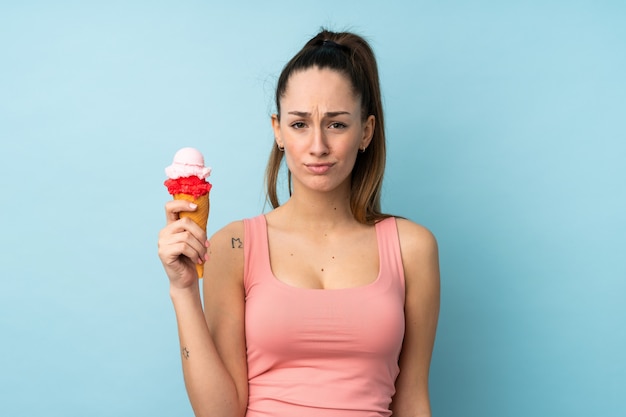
(175, 207)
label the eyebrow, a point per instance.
(327, 114)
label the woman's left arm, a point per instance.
(421, 269)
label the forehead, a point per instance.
(319, 87)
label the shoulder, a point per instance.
(233, 228)
(420, 252)
(226, 247)
(415, 239)
(230, 235)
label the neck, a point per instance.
(318, 210)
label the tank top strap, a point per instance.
(389, 249)
(255, 250)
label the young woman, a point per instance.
(324, 306)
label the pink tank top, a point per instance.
(322, 353)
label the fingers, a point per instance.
(176, 240)
(173, 209)
(181, 236)
(182, 243)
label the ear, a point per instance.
(368, 131)
(276, 128)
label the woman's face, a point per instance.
(321, 129)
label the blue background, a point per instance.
(507, 138)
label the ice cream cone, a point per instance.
(200, 216)
(187, 181)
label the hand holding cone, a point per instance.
(187, 182)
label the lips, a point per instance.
(319, 169)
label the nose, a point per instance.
(319, 144)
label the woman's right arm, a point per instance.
(212, 339)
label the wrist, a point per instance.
(192, 290)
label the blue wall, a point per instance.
(507, 138)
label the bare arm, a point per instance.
(215, 378)
(421, 267)
(224, 302)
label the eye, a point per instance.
(337, 125)
(298, 125)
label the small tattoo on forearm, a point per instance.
(236, 243)
(185, 352)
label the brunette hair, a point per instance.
(351, 55)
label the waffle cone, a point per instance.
(200, 216)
